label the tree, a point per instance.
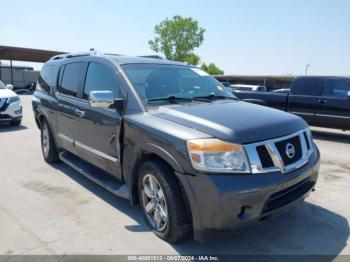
(212, 69)
(192, 59)
(176, 38)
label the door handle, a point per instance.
(79, 113)
(322, 101)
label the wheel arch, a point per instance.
(40, 119)
(173, 165)
(142, 153)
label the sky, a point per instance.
(245, 37)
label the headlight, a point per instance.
(214, 155)
(13, 99)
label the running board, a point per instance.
(95, 174)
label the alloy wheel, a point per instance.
(46, 139)
(154, 202)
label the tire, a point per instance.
(15, 122)
(48, 146)
(177, 226)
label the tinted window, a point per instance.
(71, 78)
(306, 86)
(48, 76)
(2, 86)
(100, 78)
(337, 88)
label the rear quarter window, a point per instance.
(307, 87)
(48, 77)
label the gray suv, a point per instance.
(172, 138)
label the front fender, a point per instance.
(132, 155)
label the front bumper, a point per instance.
(224, 203)
(11, 112)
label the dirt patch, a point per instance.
(332, 170)
(66, 200)
(49, 190)
(336, 165)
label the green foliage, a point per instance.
(192, 59)
(212, 69)
(176, 38)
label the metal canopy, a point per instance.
(26, 54)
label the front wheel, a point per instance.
(162, 202)
(48, 145)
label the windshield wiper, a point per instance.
(213, 96)
(170, 99)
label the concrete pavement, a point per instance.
(54, 210)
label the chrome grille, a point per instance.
(272, 156)
(293, 142)
(265, 158)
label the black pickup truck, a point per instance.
(321, 101)
(172, 138)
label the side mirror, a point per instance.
(105, 99)
(8, 86)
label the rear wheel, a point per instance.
(48, 145)
(162, 202)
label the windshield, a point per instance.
(155, 82)
(2, 86)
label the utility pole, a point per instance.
(307, 68)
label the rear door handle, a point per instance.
(79, 113)
(322, 101)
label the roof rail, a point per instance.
(78, 54)
(92, 52)
(56, 57)
(113, 54)
(152, 56)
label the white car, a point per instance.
(10, 106)
(239, 87)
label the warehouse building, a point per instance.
(21, 76)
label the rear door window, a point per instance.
(307, 87)
(71, 78)
(337, 88)
(100, 78)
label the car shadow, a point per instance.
(5, 127)
(119, 203)
(307, 229)
(331, 136)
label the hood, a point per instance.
(233, 121)
(6, 93)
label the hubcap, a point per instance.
(154, 202)
(46, 140)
